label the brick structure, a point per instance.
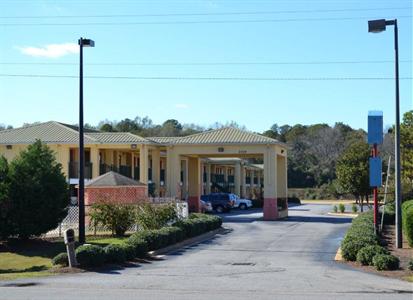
(115, 188)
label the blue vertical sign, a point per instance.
(375, 137)
(375, 128)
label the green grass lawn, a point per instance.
(20, 259)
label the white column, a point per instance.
(243, 182)
(143, 164)
(208, 178)
(237, 179)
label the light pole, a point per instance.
(376, 26)
(82, 237)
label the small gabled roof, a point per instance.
(118, 138)
(50, 133)
(224, 136)
(112, 179)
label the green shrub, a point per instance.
(360, 235)
(366, 254)
(341, 207)
(33, 193)
(155, 216)
(129, 251)
(198, 224)
(354, 208)
(114, 217)
(152, 239)
(386, 262)
(139, 245)
(407, 220)
(115, 253)
(410, 265)
(174, 234)
(335, 208)
(61, 259)
(90, 256)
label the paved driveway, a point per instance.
(253, 260)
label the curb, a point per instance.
(195, 240)
(343, 215)
(338, 256)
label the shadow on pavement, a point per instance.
(318, 219)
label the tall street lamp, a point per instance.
(82, 238)
(376, 26)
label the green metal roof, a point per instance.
(118, 138)
(58, 133)
(224, 136)
(50, 132)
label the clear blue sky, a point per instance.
(255, 104)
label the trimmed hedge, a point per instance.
(365, 255)
(407, 220)
(61, 259)
(360, 235)
(384, 262)
(139, 245)
(130, 251)
(90, 256)
(115, 253)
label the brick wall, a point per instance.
(125, 194)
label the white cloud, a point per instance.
(181, 106)
(51, 50)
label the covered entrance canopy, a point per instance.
(186, 155)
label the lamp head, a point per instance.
(86, 42)
(377, 26)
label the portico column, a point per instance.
(237, 179)
(252, 173)
(194, 172)
(156, 168)
(94, 159)
(243, 182)
(259, 179)
(132, 163)
(208, 178)
(173, 172)
(270, 184)
(143, 164)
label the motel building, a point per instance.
(184, 168)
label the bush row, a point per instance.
(360, 235)
(407, 220)
(361, 243)
(139, 243)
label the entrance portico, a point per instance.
(230, 144)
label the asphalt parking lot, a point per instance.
(292, 259)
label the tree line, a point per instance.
(319, 155)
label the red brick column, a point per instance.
(270, 209)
